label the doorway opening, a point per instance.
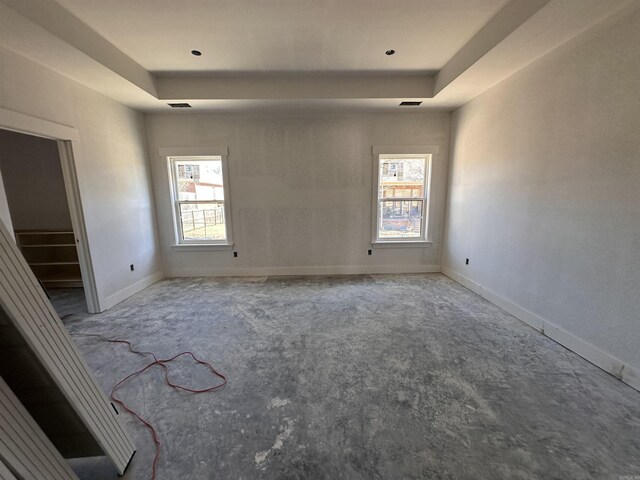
(34, 206)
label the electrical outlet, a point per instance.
(132, 267)
(235, 254)
(466, 262)
(368, 252)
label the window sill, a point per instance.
(402, 244)
(202, 247)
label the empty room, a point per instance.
(319, 239)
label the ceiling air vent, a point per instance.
(409, 104)
(179, 105)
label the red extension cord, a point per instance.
(163, 364)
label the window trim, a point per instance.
(430, 153)
(173, 154)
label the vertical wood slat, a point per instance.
(24, 446)
(22, 301)
(5, 473)
(52, 341)
(37, 320)
(31, 312)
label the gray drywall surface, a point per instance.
(34, 184)
(300, 188)
(544, 194)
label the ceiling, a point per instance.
(287, 35)
(292, 55)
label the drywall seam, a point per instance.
(125, 293)
(329, 270)
(608, 363)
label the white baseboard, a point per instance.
(331, 270)
(610, 364)
(125, 293)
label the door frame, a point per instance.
(69, 148)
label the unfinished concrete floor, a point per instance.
(358, 377)
(68, 301)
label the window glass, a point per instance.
(400, 219)
(402, 195)
(200, 200)
(199, 180)
(202, 221)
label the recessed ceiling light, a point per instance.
(197, 53)
(390, 52)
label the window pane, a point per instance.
(202, 221)
(199, 180)
(400, 219)
(401, 177)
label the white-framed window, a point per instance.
(402, 191)
(200, 199)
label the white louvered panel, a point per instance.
(24, 446)
(5, 474)
(33, 315)
(33, 320)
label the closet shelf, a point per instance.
(52, 256)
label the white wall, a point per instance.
(545, 193)
(35, 187)
(300, 190)
(112, 169)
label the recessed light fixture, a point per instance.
(390, 52)
(196, 53)
(410, 104)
